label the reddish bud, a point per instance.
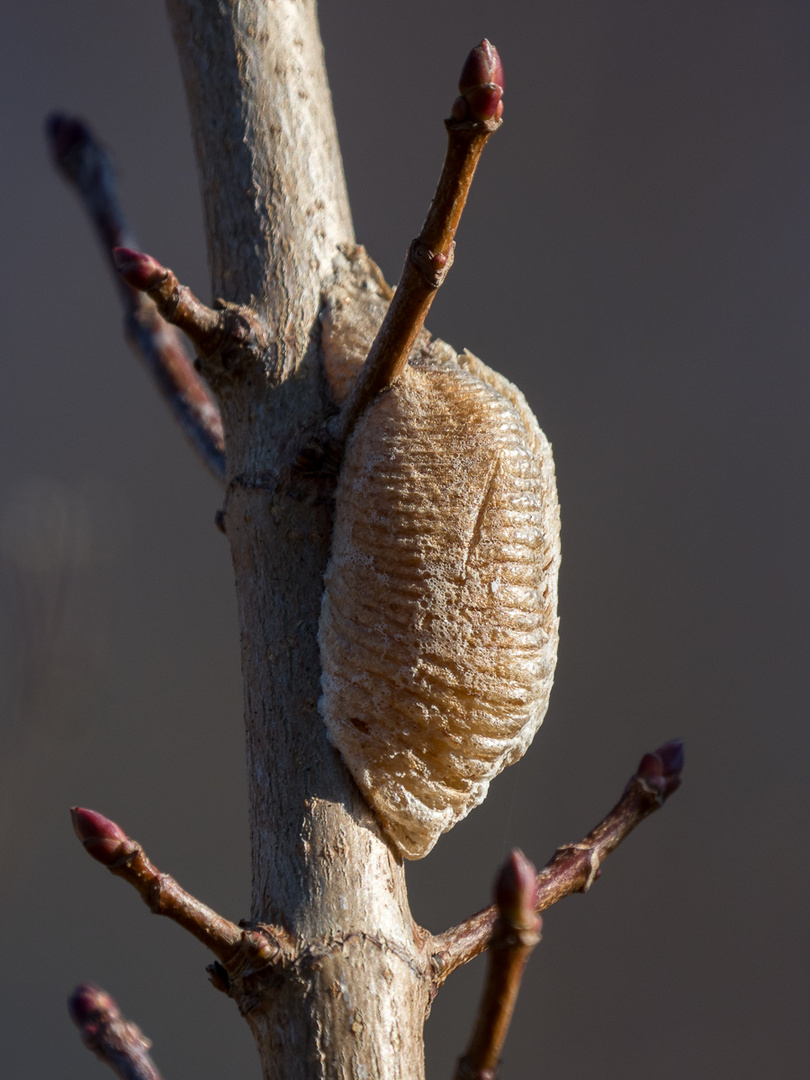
(672, 757)
(661, 770)
(138, 270)
(516, 891)
(481, 86)
(484, 103)
(104, 840)
(483, 65)
(651, 767)
(87, 1005)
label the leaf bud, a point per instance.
(87, 1005)
(661, 770)
(480, 86)
(102, 838)
(516, 891)
(137, 269)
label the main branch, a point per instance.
(276, 214)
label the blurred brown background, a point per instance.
(636, 257)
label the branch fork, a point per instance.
(476, 115)
(510, 928)
(229, 335)
(239, 950)
(224, 337)
(573, 867)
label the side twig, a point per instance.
(176, 303)
(236, 948)
(514, 935)
(573, 867)
(224, 337)
(113, 1039)
(476, 114)
(82, 160)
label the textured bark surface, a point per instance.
(351, 997)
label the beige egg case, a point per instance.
(439, 626)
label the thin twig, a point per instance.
(225, 336)
(84, 162)
(176, 303)
(236, 948)
(515, 934)
(113, 1039)
(573, 867)
(475, 116)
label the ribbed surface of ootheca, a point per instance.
(438, 629)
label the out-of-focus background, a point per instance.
(636, 256)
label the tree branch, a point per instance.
(475, 116)
(83, 161)
(113, 1039)
(515, 933)
(573, 867)
(274, 194)
(233, 946)
(277, 215)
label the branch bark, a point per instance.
(354, 1000)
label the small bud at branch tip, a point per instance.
(516, 891)
(651, 767)
(102, 838)
(86, 1002)
(480, 86)
(483, 65)
(672, 757)
(662, 769)
(137, 269)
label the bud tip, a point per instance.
(483, 65)
(137, 269)
(516, 890)
(662, 768)
(480, 86)
(87, 1003)
(102, 838)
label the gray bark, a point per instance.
(352, 1000)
